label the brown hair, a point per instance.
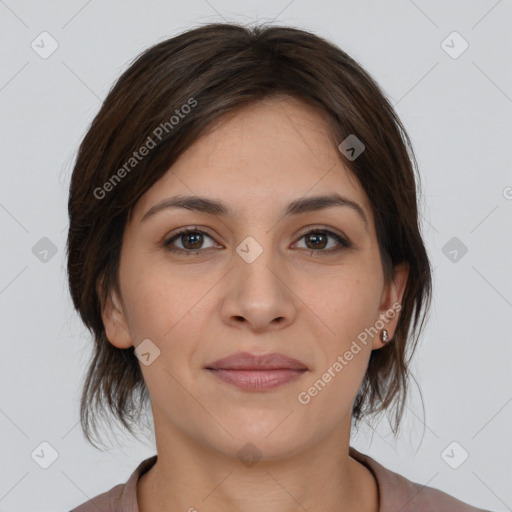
(217, 69)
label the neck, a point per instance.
(191, 477)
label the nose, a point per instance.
(259, 295)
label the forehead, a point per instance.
(273, 151)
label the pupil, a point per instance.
(197, 244)
(316, 237)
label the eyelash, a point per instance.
(345, 244)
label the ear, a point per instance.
(390, 306)
(114, 320)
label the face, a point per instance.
(257, 279)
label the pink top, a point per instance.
(396, 493)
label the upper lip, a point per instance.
(248, 361)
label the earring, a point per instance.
(385, 337)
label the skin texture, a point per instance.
(293, 299)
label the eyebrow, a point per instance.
(215, 207)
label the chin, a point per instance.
(267, 438)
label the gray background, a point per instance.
(458, 114)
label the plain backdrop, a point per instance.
(456, 104)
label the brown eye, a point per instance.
(191, 241)
(317, 240)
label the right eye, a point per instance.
(191, 240)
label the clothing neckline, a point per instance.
(389, 484)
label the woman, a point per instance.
(244, 245)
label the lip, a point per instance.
(248, 361)
(257, 372)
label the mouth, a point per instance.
(252, 372)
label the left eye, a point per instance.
(318, 240)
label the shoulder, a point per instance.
(106, 502)
(398, 493)
(122, 497)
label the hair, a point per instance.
(218, 69)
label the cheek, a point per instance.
(163, 305)
(347, 306)
(147, 311)
(166, 311)
(347, 302)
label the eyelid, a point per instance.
(189, 229)
(316, 227)
(176, 234)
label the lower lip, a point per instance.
(257, 380)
